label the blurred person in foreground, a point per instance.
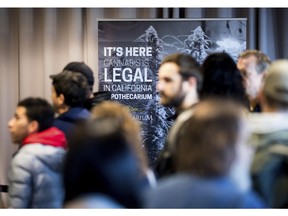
(132, 129)
(270, 137)
(212, 162)
(101, 169)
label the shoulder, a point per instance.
(24, 155)
(93, 201)
(252, 200)
(29, 153)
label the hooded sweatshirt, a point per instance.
(35, 176)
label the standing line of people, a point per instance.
(44, 175)
(85, 152)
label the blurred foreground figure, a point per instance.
(101, 169)
(270, 138)
(212, 162)
(132, 130)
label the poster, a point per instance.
(129, 55)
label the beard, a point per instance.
(174, 101)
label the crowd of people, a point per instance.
(227, 147)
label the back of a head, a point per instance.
(188, 66)
(206, 143)
(40, 110)
(100, 161)
(119, 112)
(73, 86)
(130, 126)
(276, 85)
(222, 79)
(82, 68)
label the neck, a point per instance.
(189, 101)
(63, 109)
(253, 103)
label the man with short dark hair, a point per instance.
(85, 70)
(179, 84)
(35, 176)
(69, 92)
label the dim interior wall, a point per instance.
(9, 88)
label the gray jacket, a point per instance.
(35, 177)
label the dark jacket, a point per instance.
(66, 121)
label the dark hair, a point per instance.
(206, 142)
(98, 98)
(262, 60)
(73, 86)
(99, 160)
(40, 110)
(222, 79)
(188, 66)
(82, 68)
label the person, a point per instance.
(101, 169)
(93, 97)
(69, 92)
(35, 175)
(212, 162)
(179, 84)
(85, 70)
(253, 65)
(222, 79)
(132, 129)
(269, 137)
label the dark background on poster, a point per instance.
(198, 38)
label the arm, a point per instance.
(20, 181)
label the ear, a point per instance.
(33, 127)
(61, 99)
(192, 82)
